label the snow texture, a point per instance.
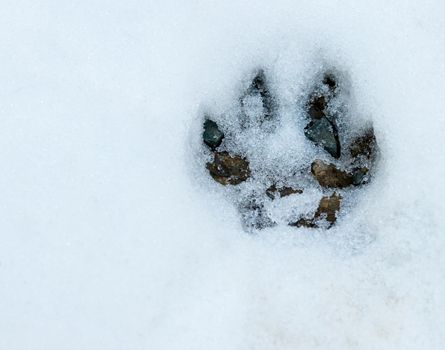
(112, 236)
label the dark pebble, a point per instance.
(212, 135)
(323, 133)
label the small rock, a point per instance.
(328, 175)
(327, 210)
(360, 176)
(212, 135)
(272, 192)
(364, 145)
(317, 106)
(228, 170)
(323, 133)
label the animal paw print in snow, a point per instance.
(341, 157)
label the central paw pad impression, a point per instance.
(299, 165)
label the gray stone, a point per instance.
(212, 135)
(360, 176)
(323, 133)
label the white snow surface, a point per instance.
(112, 236)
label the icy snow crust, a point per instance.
(112, 239)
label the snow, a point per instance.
(113, 236)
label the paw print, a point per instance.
(290, 164)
